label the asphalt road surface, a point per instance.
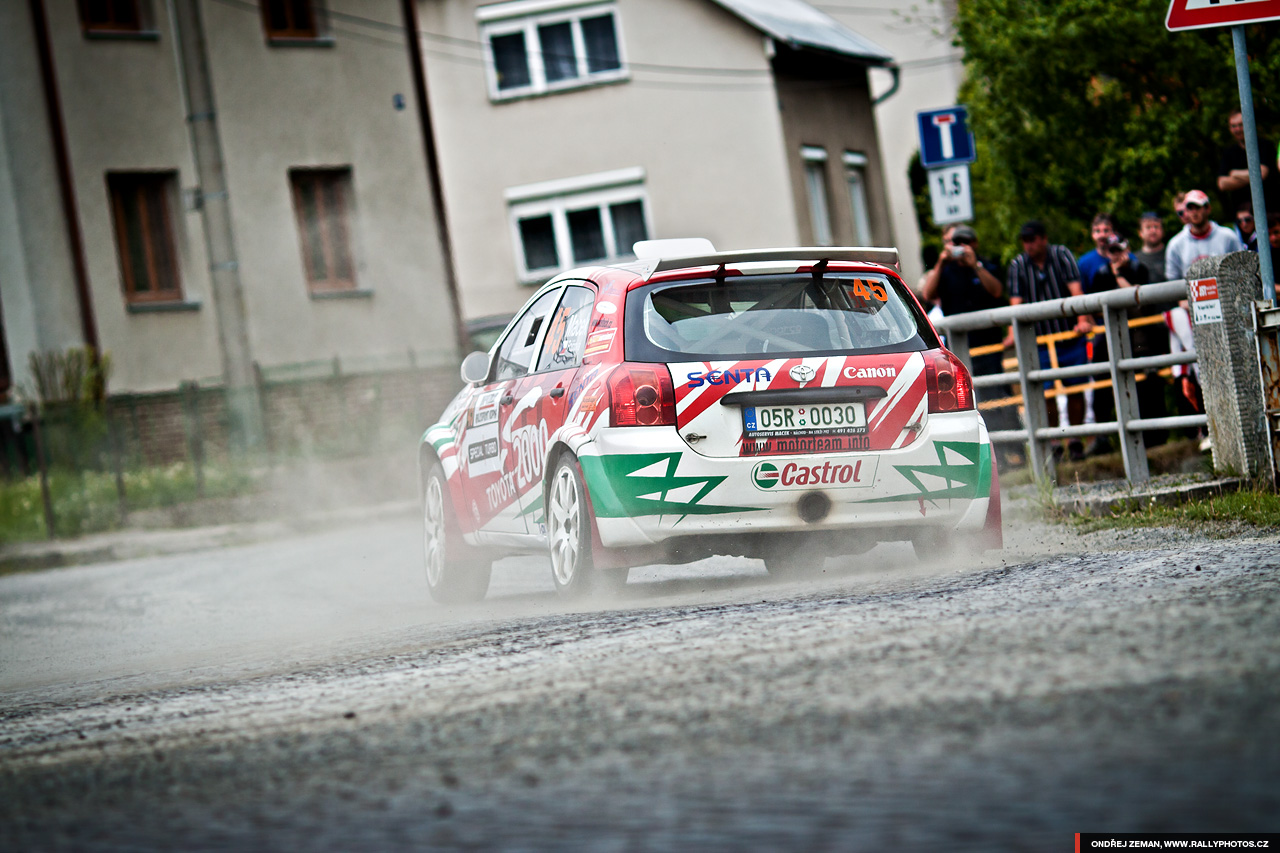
(304, 695)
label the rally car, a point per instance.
(783, 404)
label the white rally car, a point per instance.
(784, 404)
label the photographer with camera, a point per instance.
(961, 282)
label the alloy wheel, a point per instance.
(566, 521)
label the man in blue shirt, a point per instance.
(1103, 229)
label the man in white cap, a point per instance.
(1200, 239)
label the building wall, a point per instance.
(836, 118)
(37, 285)
(277, 107)
(919, 35)
(711, 146)
(307, 106)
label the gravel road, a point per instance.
(1109, 682)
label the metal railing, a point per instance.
(1120, 370)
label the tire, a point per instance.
(456, 572)
(569, 538)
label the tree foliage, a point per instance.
(1081, 106)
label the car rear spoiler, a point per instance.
(801, 255)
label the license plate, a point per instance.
(805, 419)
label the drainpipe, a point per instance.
(243, 401)
(436, 185)
(893, 87)
(62, 160)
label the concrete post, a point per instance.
(1222, 325)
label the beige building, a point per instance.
(569, 129)
(290, 221)
(305, 233)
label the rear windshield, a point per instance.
(784, 315)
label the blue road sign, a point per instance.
(945, 139)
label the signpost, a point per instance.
(1198, 14)
(946, 150)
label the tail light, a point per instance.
(642, 395)
(950, 387)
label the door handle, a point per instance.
(507, 400)
(558, 391)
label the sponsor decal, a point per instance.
(501, 492)
(765, 475)
(530, 443)
(830, 475)
(805, 444)
(887, 372)
(606, 307)
(601, 341)
(486, 410)
(802, 373)
(482, 450)
(729, 377)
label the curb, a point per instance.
(1099, 505)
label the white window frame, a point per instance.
(855, 175)
(815, 182)
(557, 198)
(526, 16)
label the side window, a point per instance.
(568, 332)
(516, 353)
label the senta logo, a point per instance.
(802, 373)
(729, 377)
(767, 475)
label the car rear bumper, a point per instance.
(647, 487)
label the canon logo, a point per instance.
(870, 372)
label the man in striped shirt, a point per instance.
(1042, 272)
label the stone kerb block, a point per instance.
(1228, 363)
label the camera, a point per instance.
(957, 252)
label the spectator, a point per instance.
(1200, 239)
(961, 281)
(1125, 270)
(1273, 237)
(1233, 170)
(1180, 208)
(1245, 228)
(1151, 230)
(1043, 272)
(1103, 228)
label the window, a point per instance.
(114, 17)
(140, 205)
(293, 20)
(815, 181)
(567, 334)
(516, 352)
(322, 203)
(561, 46)
(594, 219)
(855, 174)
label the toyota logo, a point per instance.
(803, 373)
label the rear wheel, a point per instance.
(569, 535)
(456, 572)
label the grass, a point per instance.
(87, 502)
(1222, 515)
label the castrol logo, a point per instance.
(826, 475)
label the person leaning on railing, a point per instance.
(1147, 337)
(1043, 272)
